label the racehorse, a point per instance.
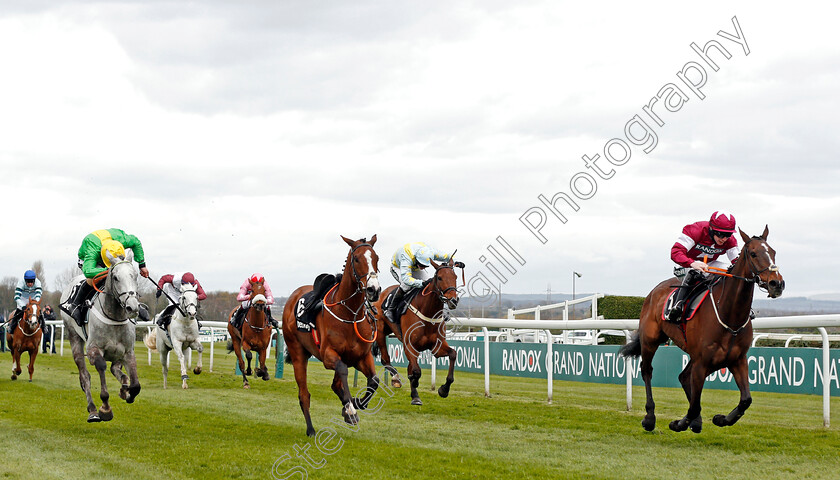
(718, 336)
(345, 329)
(422, 328)
(183, 335)
(26, 338)
(255, 334)
(110, 334)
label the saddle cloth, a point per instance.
(310, 304)
(695, 298)
(404, 302)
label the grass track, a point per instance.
(216, 429)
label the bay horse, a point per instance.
(255, 334)
(183, 335)
(345, 329)
(719, 335)
(26, 338)
(422, 328)
(110, 334)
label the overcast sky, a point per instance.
(234, 137)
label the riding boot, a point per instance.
(77, 305)
(271, 318)
(675, 313)
(391, 311)
(164, 319)
(238, 317)
(143, 313)
(14, 320)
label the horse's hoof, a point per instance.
(132, 394)
(310, 432)
(416, 401)
(106, 416)
(30, 380)
(246, 386)
(443, 391)
(14, 377)
(184, 386)
(358, 403)
(696, 425)
(197, 370)
(649, 423)
(93, 418)
(678, 425)
(396, 383)
(720, 420)
(248, 372)
(351, 419)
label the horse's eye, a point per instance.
(752, 254)
(439, 279)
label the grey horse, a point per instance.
(109, 335)
(183, 335)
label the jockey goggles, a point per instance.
(717, 233)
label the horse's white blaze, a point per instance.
(373, 278)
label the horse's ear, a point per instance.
(744, 235)
(111, 259)
(372, 240)
(347, 240)
(766, 231)
(129, 255)
(434, 265)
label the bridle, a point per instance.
(121, 297)
(361, 284)
(756, 274)
(436, 288)
(259, 307)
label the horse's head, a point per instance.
(189, 299)
(363, 263)
(122, 283)
(33, 313)
(258, 299)
(445, 283)
(760, 259)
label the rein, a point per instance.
(118, 296)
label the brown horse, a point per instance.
(422, 328)
(718, 336)
(345, 329)
(255, 334)
(26, 338)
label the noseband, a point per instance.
(370, 275)
(756, 274)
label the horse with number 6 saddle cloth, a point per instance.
(308, 306)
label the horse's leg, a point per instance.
(76, 347)
(130, 362)
(340, 386)
(198, 347)
(249, 357)
(116, 369)
(385, 358)
(692, 419)
(646, 368)
(414, 374)
(262, 372)
(178, 348)
(740, 373)
(32, 354)
(15, 363)
(164, 363)
(237, 349)
(300, 362)
(446, 350)
(684, 379)
(98, 361)
(368, 367)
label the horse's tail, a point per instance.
(632, 349)
(287, 358)
(230, 345)
(151, 340)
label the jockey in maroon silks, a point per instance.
(698, 242)
(171, 285)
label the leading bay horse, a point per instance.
(110, 334)
(255, 334)
(345, 329)
(26, 337)
(718, 336)
(422, 328)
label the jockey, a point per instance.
(698, 240)
(171, 286)
(93, 260)
(28, 287)
(407, 265)
(245, 297)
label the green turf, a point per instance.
(216, 429)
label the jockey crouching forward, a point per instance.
(28, 287)
(701, 240)
(407, 267)
(171, 286)
(245, 297)
(93, 260)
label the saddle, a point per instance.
(693, 300)
(404, 302)
(310, 304)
